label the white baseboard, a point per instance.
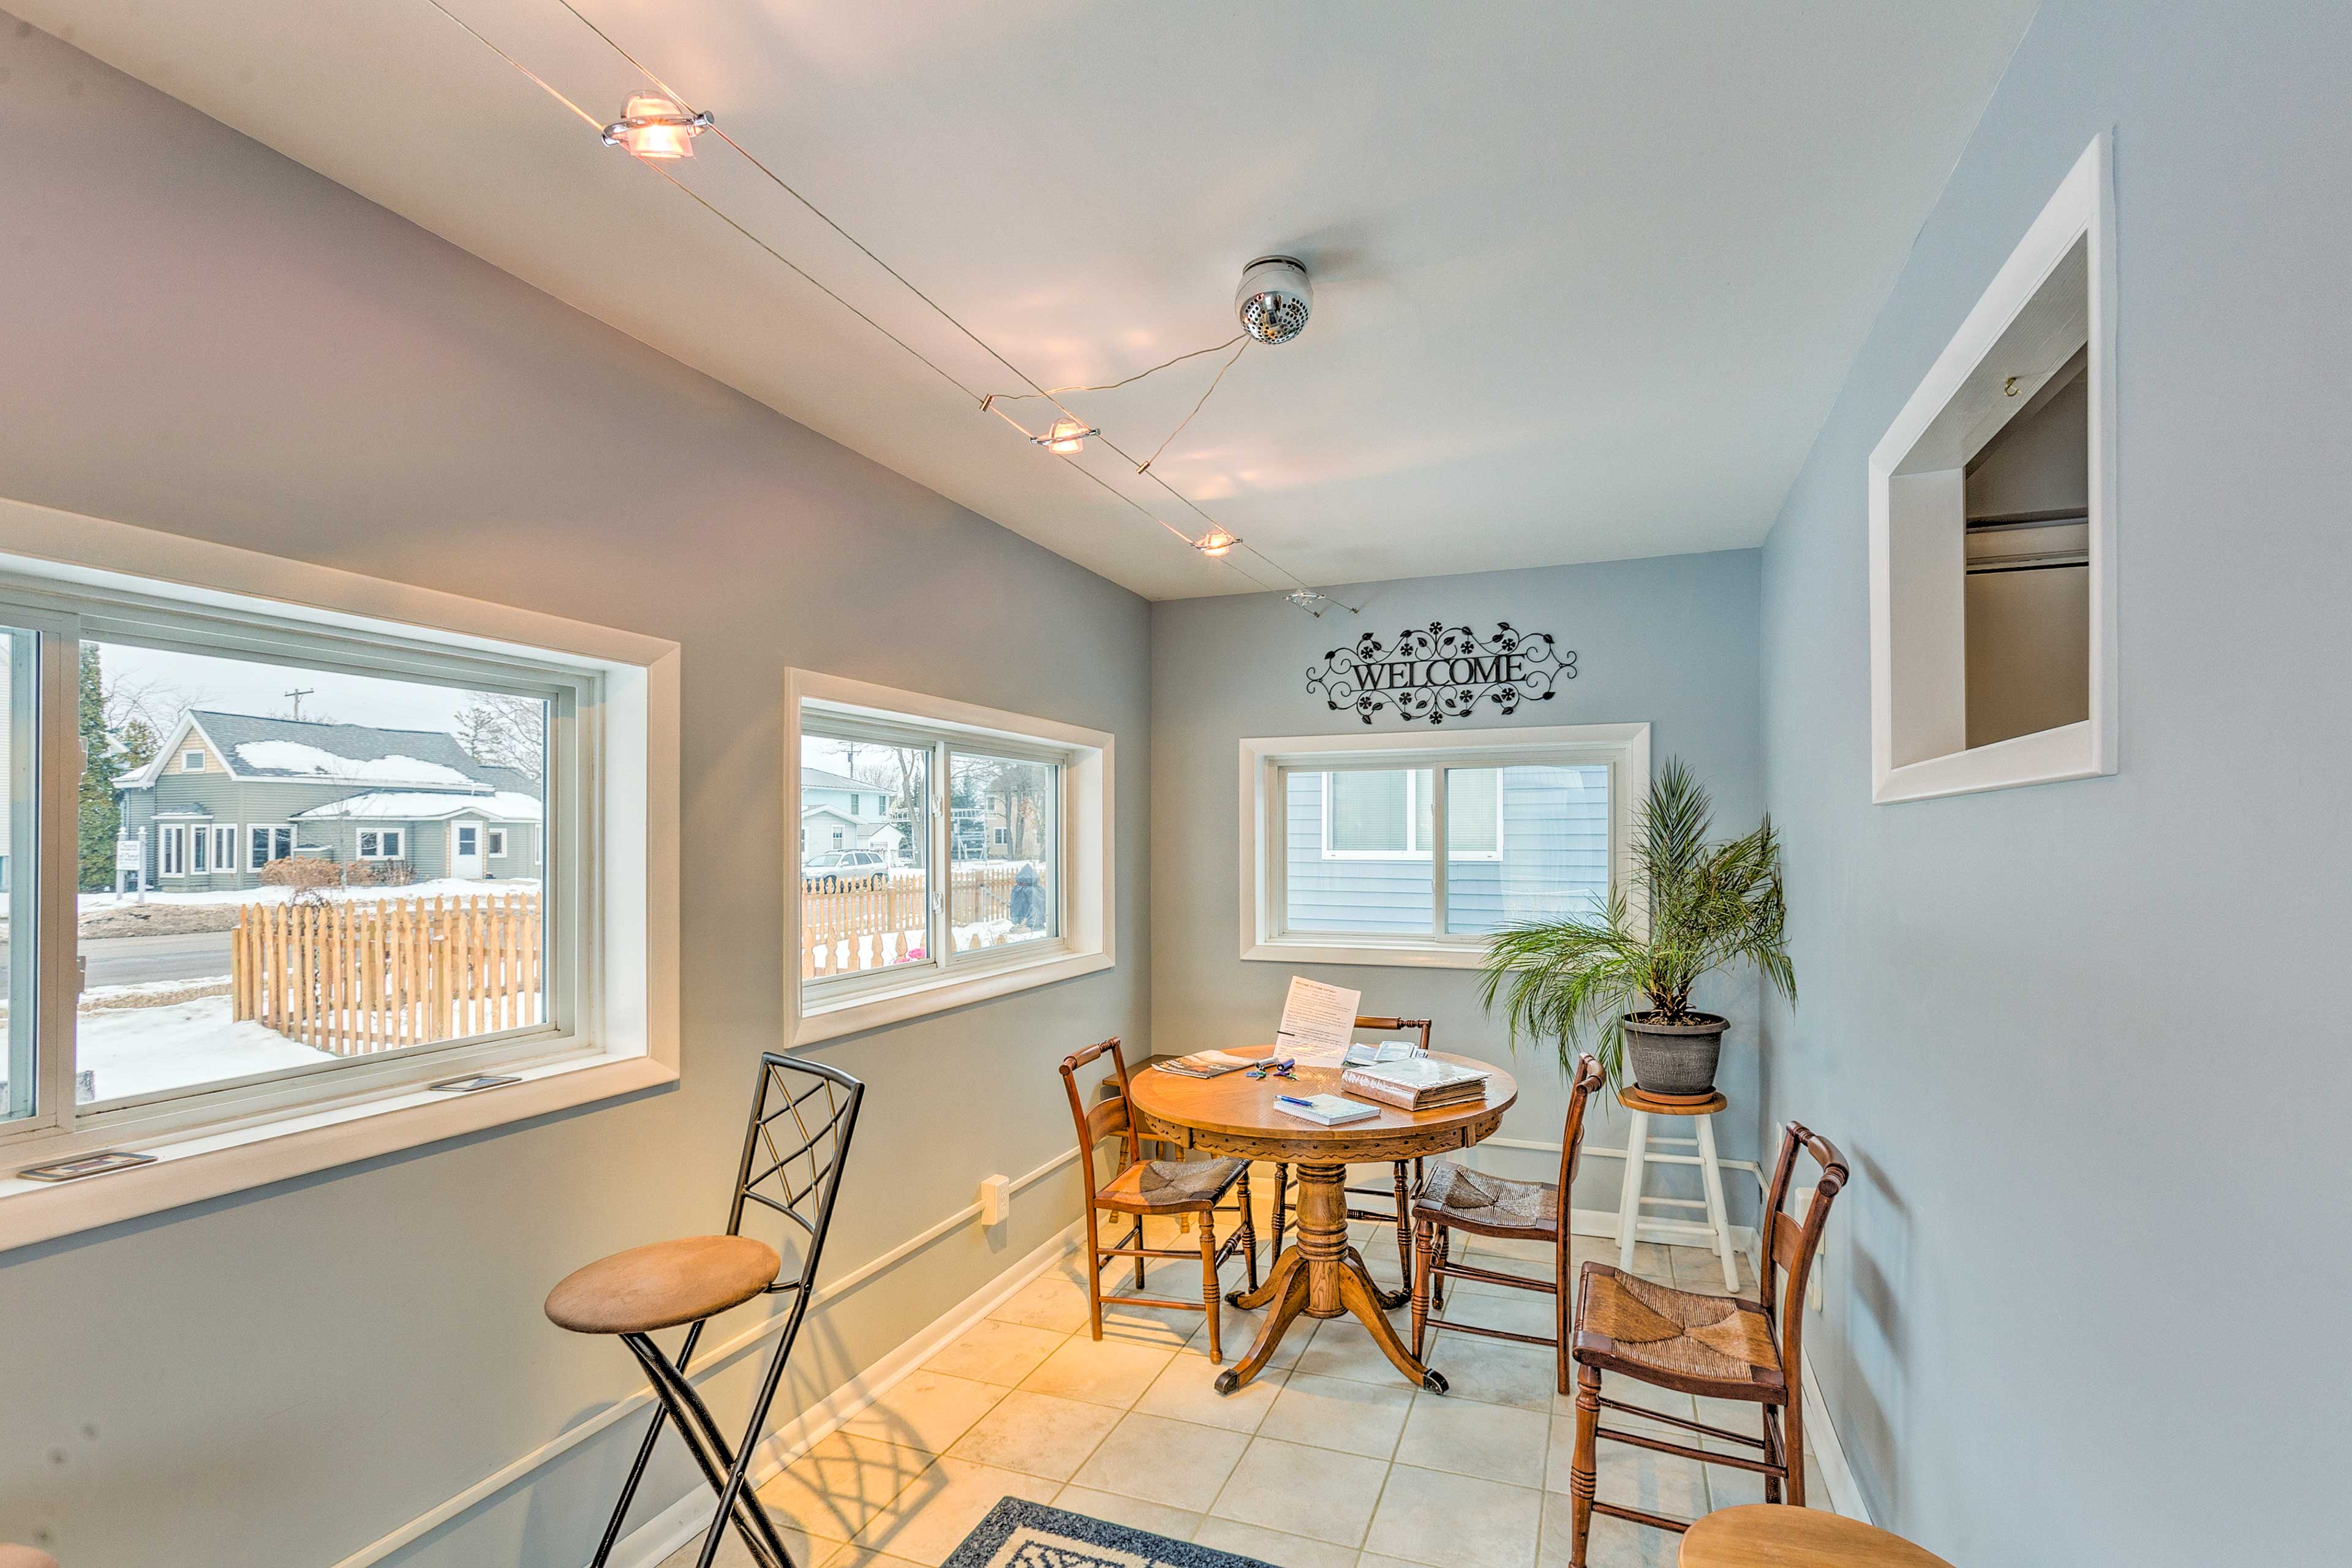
(1836, 1475)
(686, 1518)
(1604, 1222)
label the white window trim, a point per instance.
(1624, 749)
(1412, 826)
(1089, 894)
(627, 998)
(171, 850)
(273, 829)
(360, 836)
(196, 766)
(2082, 206)
(226, 833)
(494, 843)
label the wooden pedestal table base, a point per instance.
(1320, 1276)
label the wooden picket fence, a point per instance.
(871, 928)
(353, 978)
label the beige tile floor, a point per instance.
(1327, 1460)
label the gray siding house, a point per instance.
(233, 792)
(1530, 843)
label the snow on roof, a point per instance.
(294, 757)
(306, 752)
(407, 805)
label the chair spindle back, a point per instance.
(1108, 1116)
(793, 1153)
(1583, 1085)
(1791, 1245)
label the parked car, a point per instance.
(839, 868)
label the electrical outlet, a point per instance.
(995, 1200)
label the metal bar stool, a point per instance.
(801, 1119)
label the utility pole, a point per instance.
(298, 695)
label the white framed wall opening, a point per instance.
(331, 992)
(942, 853)
(1409, 849)
(1992, 526)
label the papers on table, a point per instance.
(1206, 1064)
(1366, 1054)
(1316, 1020)
(1329, 1109)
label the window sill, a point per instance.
(202, 1166)
(870, 1010)
(2048, 757)
(1343, 949)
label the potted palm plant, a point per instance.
(1701, 906)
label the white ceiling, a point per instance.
(1588, 275)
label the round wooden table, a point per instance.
(1320, 1276)
(1774, 1535)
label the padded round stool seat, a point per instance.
(25, 1557)
(1775, 1535)
(660, 1286)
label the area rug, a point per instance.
(1018, 1534)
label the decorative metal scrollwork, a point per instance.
(1443, 672)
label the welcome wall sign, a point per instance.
(1443, 672)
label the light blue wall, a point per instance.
(1670, 640)
(2085, 1043)
(204, 337)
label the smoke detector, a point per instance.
(1274, 299)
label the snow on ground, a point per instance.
(445, 887)
(145, 1049)
(294, 757)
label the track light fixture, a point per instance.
(1315, 604)
(653, 126)
(1215, 543)
(1067, 436)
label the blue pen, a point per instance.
(1291, 1100)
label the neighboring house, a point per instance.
(838, 812)
(1528, 843)
(232, 792)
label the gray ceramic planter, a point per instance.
(1675, 1058)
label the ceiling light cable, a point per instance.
(1114, 385)
(1196, 409)
(904, 281)
(984, 402)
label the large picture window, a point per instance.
(1413, 849)
(943, 852)
(274, 957)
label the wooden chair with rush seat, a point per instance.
(1717, 1347)
(1141, 1188)
(1408, 1175)
(1456, 1197)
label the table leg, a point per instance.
(1321, 1277)
(1287, 1290)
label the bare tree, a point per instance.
(505, 731)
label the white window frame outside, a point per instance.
(1267, 763)
(1087, 893)
(613, 881)
(171, 850)
(224, 842)
(389, 843)
(191, 760)
(494, 843)
(254, 862)
(1929, 646)
(1411, 823)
